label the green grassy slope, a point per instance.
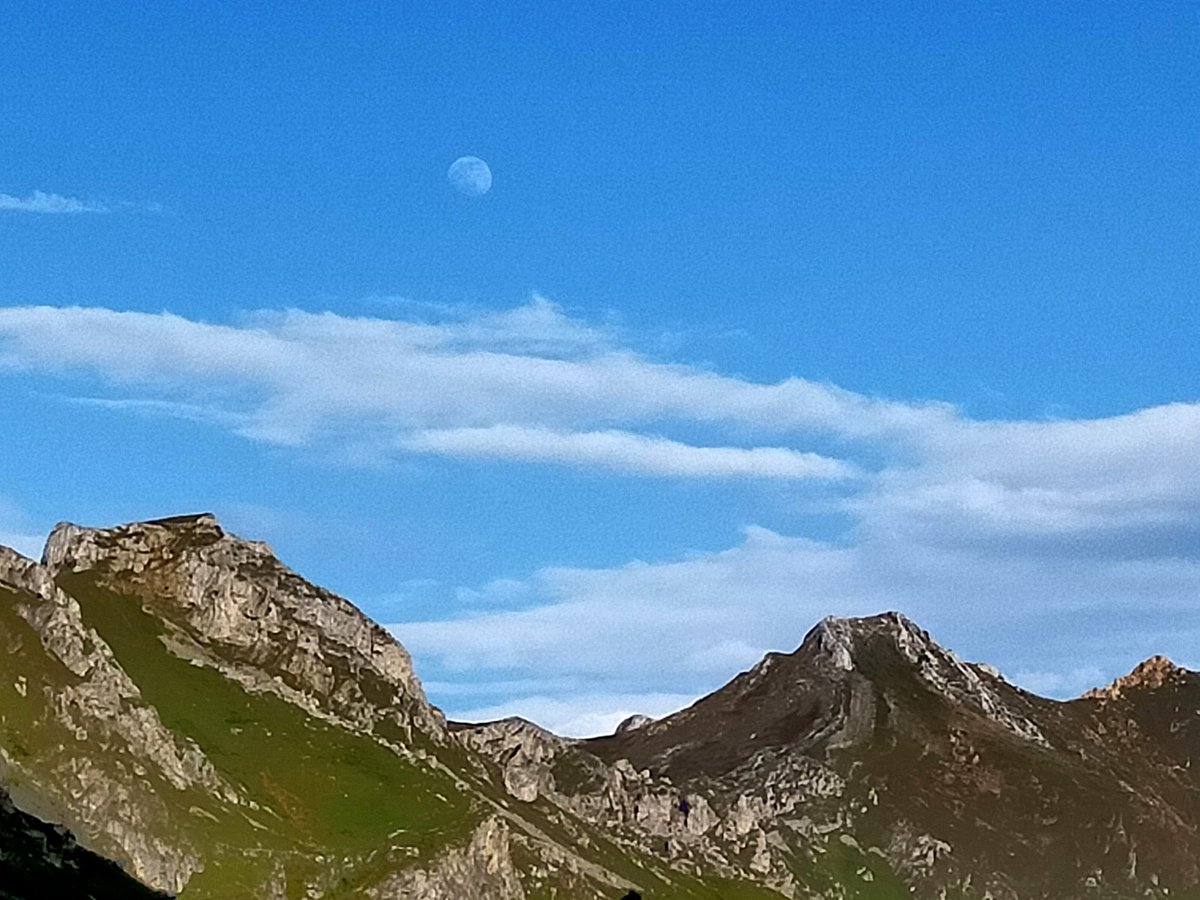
(326, 797)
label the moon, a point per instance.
(470, 175)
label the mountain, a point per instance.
(958, 783)
(187, 706)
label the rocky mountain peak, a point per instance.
(872, 646)
(633, 723)
(842, 640)
(71, 547)
(1148, 674)
(231, 604)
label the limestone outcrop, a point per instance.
(266, 626)
(482, 870)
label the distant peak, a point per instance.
(508, 728)
(1148, 674)
(839, 637)
(633, 723)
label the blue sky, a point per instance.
(769, 314)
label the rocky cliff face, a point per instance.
(525, 752)
(262, 623)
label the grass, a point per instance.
(861, 876)
(323, 790)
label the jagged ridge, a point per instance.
(255, 730)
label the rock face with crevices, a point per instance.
(266, 623)
(524, 751)
(481, 870)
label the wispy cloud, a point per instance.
(50, 204)
(1048, 547)
(625, 452)
(529, 383)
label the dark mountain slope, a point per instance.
(965, 782)
(42, 862)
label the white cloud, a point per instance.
(319, 369)
(539, 328)
(42, 202)
(622, 451)
(1122, 487)
(523, 376)
(585, 715)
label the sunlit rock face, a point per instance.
(266, 624)
(1150, 674)
(633, 723)
(482, 870)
